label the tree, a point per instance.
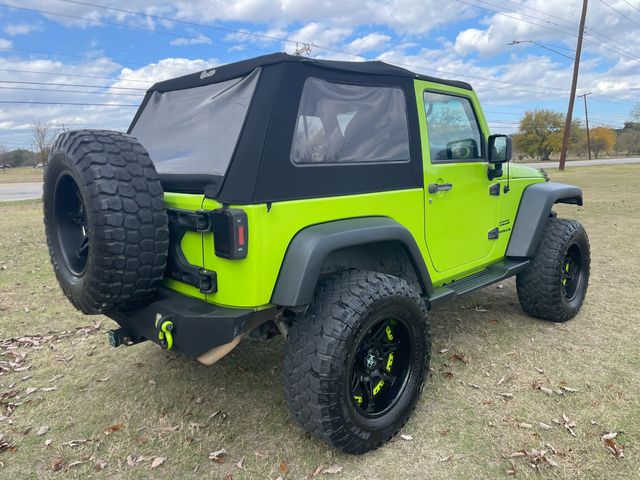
(635, 112)
(540, 133)
(602, 139)
(629, 141)
(42, 140)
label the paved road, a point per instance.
(25, 191)
(586, 163)
(20, 191)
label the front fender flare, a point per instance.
(533, 212)
(309, 248)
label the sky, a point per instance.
(67, 53)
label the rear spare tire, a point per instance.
(105, 221)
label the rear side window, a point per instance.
(342, 123)
(195, 131)
(454, 134)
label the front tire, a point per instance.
(555, 284)
(354, 367)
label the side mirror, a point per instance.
(498, 152)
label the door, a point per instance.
(461, 211)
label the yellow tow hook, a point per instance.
(164, 328)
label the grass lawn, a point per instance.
(21, 175)
(472, 415)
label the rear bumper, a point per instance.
(198, 326)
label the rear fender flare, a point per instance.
(310, 247)
(534, 210)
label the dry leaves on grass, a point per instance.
(6, 444)
(535, 458)
(218, 456)
(284, 468)
(569, 425)
(608, 439)
(156, 462)
(460, 357)
(116, 427)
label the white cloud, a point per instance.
(199, 39)
(13, 29)
(368, 43)
(4, 43)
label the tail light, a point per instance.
(230, 233)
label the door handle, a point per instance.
(439, 187)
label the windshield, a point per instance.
(195, 131)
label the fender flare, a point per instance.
(309, 248)
(534, 210)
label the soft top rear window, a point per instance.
(195, 131)
(341, 123)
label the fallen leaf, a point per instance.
(240, 463)
(48, 389)
(446, 459)
(218, 455)
(43, 430)
(539, 370)
(610, 444)
(506, 395)
(30, 390)
(131, 461)
(501, 381)
(458, 357)
(75, 463)
(331, 470)
(473, 385)
(569, 425)
(545, 390)
(444, 350)
(525, 425)
(316, 472)
(406, 437)
(47, 442)
(116, 427)
(157, 462)
(100, 465)
(545, 426)
(57, 464)
(570, 390)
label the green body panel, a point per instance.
(450, 228)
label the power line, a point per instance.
(71, 75)
(72, 91)
(71, 85)
(69, 55)
(620, 13)
(121, 25)
(631, 5)
(612, 47)
(274, 38)
(69, 103)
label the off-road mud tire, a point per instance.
(315, 370)
(540, 288)
(124, 220)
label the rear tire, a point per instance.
(105, 221)
(555, 284)
(362, 327)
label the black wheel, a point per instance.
(104, 216)
(354, 367)
(554, 286)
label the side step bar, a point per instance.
(495, 273)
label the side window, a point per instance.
(454, 135)
(341, 123)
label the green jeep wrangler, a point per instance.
(332, 202)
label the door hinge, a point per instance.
(494, 233)
(200, 221)
(494, 189)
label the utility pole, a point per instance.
(586, 119)
(574, 83)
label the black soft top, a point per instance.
(244, 67)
